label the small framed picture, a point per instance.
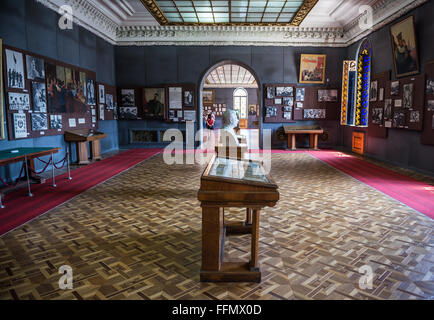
(278, 101)
(398, 103)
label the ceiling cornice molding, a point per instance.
(384, 12)
(219, 35)
(88, 16)
(101, 22)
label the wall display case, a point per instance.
(306, 103)
(43, 95)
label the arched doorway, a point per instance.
(233, 85)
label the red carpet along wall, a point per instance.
(402, 147)
(30, 26)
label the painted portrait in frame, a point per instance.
(312, 68)
(2, 126)
(404, 48)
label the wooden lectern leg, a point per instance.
(316, 142)
(212, 238)
(82, 155)
(96, 150)
(248, 216)
(293, 142)
(311, 144)
(254, 262)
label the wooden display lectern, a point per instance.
(228, 183)
(313, 132)
(81, 137)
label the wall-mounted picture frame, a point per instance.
(15, 70)
(430, 86)
(408, 95)
(373, 91)
(404, 48)
(208, 96)
(394, 88)
(284, 91)
(270, 92)
(154, 102)
(328, 95)
(312, 68)
(188, 98)
(2, 115)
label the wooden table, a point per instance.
(313, 132)
(81, 137)
(232, 183)
(27, 155)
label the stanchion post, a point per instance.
(67, 160)
(52, 171)
(1, 202)
(28, 178)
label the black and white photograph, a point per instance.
(20, 125)
(299, 105)
(414, 116)
(188, 98)
(408, 95)
(128, 113)
(288, 101)
(15, 69)
(388, 109)
(398, 103)
(373, 91)
(381, 94)
(377, 115)
(90, 88)
(287, 109)
(39, 97)
(399, 119)
(271, 112)
(101, 93)
(72, 122)
(109, 102)
(19, 101)
(327, 95)
(287, 115)
(430, 106)
(270, 92)
(314, 113)
(172, 114)
(101, 112)
(35, 68)
(394, 88)
(284, 91)
(430, 86)
(300, 94)
(39, 121)
(278, 101)
(127, 97)
(56, 121)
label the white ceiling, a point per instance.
(333, 23)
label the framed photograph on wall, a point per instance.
(430, 86)
(284, 91)
(188, 98)
(312, 68)
(15, 70)
(35, 68)
(373, 92)
(154, 102)
(394, 88)
(327, 95)
(270, 92)
(408, 95)
(208, 96)
(20, 125)
(404, 48)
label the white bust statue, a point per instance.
(230, 121)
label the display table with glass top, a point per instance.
(225, 183)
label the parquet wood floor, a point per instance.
(138, 236)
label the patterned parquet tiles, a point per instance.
(138, 236)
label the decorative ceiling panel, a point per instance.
(230, 12)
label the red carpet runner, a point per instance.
(413, 193)
(20, 208)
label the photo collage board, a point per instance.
(107, 107)
(427, 135)
(405, 98)
(45, 97)
(380, 107)
(170, 103)
(285, 103)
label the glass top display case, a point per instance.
(238, 169)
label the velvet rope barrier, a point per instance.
(16, 181)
